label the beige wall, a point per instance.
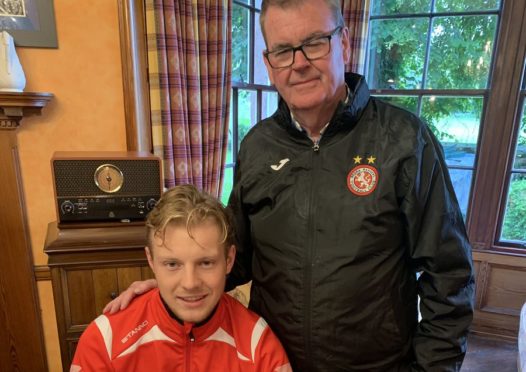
(87, 113)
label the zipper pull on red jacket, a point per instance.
(188, 327)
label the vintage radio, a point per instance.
(105, 186)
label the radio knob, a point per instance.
(67, 207)
(150, 204)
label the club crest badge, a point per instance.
(362, 180)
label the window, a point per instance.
(441, 59)
(434, 58)
(514, 223)
(252, 96)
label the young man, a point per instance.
(188, 323)
(340, 200)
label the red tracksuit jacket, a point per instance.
(144, 337)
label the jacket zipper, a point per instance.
(190, 341)
(310, 256)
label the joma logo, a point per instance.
(134, 331)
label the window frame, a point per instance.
(497, 137)
(423, 93)
(512, 246)
(250, 85)
(498, 134)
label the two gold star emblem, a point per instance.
(358, 159)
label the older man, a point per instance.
(345, 213)
(340, 200)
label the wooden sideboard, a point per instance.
(90, 265)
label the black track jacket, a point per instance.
(333, 238)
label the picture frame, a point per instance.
(31, 23)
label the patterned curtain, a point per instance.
(189, 59)
(356, 17)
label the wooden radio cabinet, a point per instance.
(89, 267)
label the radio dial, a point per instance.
(108, 178)
(67, 207)
(150, 204)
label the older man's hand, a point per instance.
(123, 300)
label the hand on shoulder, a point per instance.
(124, 299)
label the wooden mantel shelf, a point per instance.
(15, 106)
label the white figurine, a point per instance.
(12, 78)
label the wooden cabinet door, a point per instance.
(87, 291)
(90, 265)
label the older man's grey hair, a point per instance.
(334, 6)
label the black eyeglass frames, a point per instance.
(312, 49)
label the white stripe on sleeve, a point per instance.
(103, 323)
(258, 330)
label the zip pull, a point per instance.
(191, 336)
(316, 147)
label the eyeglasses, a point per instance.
(313, 49)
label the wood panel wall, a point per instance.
(500, 293)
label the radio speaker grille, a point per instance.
(75, 178)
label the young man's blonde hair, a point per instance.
(186, 206)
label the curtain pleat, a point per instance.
(189, 58)
(356, 18)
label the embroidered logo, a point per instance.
(362, 179)
(134, 331)
(282, 162)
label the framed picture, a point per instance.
(30, 22)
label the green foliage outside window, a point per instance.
(522, 131)
(245, 112)
(240, 23)
(461, 49)
(514, 226)
(397, 53)
(460, 52)
(423, 6)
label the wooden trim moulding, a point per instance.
(14, 106)
(132, 27)
(42, 272)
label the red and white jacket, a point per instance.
(144, 337)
